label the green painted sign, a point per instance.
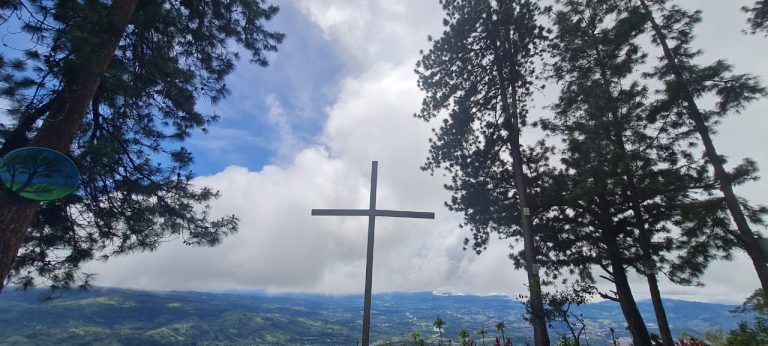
(39, 174)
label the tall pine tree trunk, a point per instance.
(618, 275)
(746, 235)
(541, 336)
(508, 83)
(649, 265)
(644, 234)
(649, 269)
(640, 336)
(59, 129)
(658, 309)
(16, 214)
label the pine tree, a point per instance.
(114, 85)
(625, 180)
(481, 71)
(595, 112)
(684, 83)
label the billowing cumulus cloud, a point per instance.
(281, 247)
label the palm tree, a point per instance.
(500, 327)
(415, 336)
(439, 324)
(463, 335)
(482, 332)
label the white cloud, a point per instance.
(5, 118)
(281, 247)
(373, 31)
(286, 143)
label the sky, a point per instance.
(340, 93)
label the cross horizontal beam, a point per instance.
(375, 212)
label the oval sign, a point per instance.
(39, 174)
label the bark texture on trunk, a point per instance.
(658, 309)
(541, 335)
(640, 336)
(645, 242)
(16, 214)
(649, 265)
(509, 107)
(632, 193)
(746, 235)
(57, 132)
(649, 270)
(18, 137)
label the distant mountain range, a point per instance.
(109, 316)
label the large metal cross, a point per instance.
(371, 213)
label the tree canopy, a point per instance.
(148, 74)
(685, 83)
(634, 189)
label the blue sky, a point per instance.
(340, 93)
(268, 106)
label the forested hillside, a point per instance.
(127, 317)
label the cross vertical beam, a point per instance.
(369, 256)
(372, 213)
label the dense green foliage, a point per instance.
(135, 190)
(625, 183)
(473, 143)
